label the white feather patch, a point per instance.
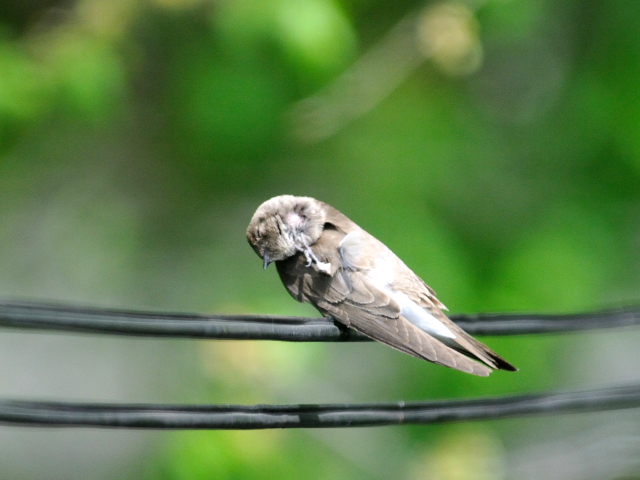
(420, 317)
(350, 248)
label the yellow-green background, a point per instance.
(137, 137)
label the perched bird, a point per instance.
(325, 259)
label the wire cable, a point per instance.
(67, 318)
(238, 417)
(41, 316)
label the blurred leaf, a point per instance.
(316, 35)
(24, 85)
(89, 73)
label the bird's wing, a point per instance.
(355, 302)
(350, 297)
(420, 293)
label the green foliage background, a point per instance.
(138, 137)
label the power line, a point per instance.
(67, 318)
(40, 316)
(238, 417)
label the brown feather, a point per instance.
(378, 319)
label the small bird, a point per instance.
(325, 259)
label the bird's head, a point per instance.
(284, 226)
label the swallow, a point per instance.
(325, 259)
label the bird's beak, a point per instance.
(266, 260)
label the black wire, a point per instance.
(237, 417)
(126, 322)
(269, 327)
(274, 327)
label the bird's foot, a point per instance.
(312, 257)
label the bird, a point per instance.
(325, 259)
